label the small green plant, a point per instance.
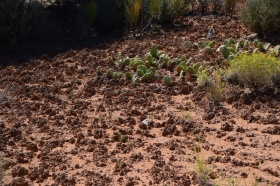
(167, 81)
(277, 50)
(120, 63)
(193, 69)
(207, 46)
(128, 76)
(154, 51)
(213, 84)
(120, 165)
(198, 45)
(202, 170)
(261, 46)
(150, 61)
(203, 78)
(233, 181)
(186, 115)
(215, 91)
(188, 44)
(182, 63)
(99, 71)
(135, 63)
(111, 74)
(254, 70)
(145, 74)
(262, 16)
(225, 51)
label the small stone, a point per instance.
(147, 122)
(244, 175)
(31, 146)
(227, 127)
(208, 116)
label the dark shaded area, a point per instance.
(56, 32)
(50, 46)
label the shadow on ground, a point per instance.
(48, 47)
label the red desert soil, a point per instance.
(62, 125)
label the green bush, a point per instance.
(262, 16)
(254, 70)
(215, 6)
(19, 19)
(214, 87)
(168, 10)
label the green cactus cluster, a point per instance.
(260, 46)
(136, 69)
(193, 69)
(111, 74)
(184, 67)
(207, 46)
(231, 48)
(144, 69)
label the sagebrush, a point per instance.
(254, 70)
(262, 16)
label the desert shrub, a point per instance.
(161, 11)
(262, 16)
(254, 70)
(154, 7)
(19, 19)
(215, 88)
(132, 12)
(168, 10)
(87, 17)
(203, 78)
(215, 6)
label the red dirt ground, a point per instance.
(62, 125)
